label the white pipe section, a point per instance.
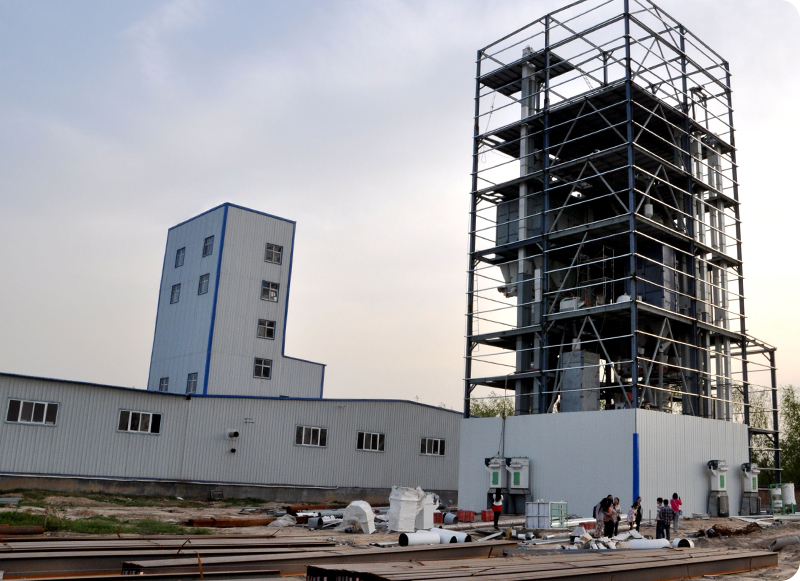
(649, 544)
(419, 538)
(447, 536)
(682, 544)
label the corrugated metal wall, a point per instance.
(181, 336)
(578, 457)
(674, 450)
(583, 456)
(193, 443)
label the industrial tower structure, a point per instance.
(605, 240)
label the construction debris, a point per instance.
(358, 516)
(286, 520)
(782, 542)
(228, 522)
(723, 531)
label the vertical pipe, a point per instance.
(472, 227)
(545, 284)
(631, 213)
(775, 437)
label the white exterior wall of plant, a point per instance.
(239, 307)
(182, 342)
(193, 444)
(581, 457)
(674, 450)
(578, 457)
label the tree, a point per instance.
(492, 406)
(790, 435)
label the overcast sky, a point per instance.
(354, 118)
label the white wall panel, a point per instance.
(674, 450)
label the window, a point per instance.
(263, 368)
(269, 291)
(163, 384)
(202, 288)
(179, 257)
(142, 422)
(311, 436)
(208, 246)
(191, 383)
(274, 253)
(370, 441)
(176, 294)
(431, 447)
(22, 411)
(266, 329)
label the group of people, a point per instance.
(669, 511)
(608, 514)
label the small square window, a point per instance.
(311, 436)
(163, 384)
(140, 422)
(202, 288)
(208, 246)
(266, 329)
(370, 441)
(262, 368)
(176, 294)
(191, 383)
(269, 291)
(432, 446)
(274, 253)
(179, 256)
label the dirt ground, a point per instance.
(73, 507)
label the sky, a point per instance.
(353, 118)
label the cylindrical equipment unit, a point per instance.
(452, 536)
(419, 538)
(787, 495)
(751, 503)
(776, 498)
(718, 493)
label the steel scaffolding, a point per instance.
(605, 237)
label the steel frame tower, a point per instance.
(605, 242)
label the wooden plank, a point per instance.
(296, 564)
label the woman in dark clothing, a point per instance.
(497, 506)
(639, 514)
(608, 518)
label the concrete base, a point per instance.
(718, 504)
(202, 490)
(751, 504)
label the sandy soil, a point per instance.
(79, 507)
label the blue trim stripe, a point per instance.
(211, 396)
(322, 382)
(216, 291)
(635, 466)
(288, 286)
(227, 205)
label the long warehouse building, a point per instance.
(225, 409)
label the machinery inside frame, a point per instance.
(605, 239)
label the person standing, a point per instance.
(666, 518)
(598, 517)
(608, 518)
(675, 504)
(632, 517)
(639, 513)
(659, 522)
(497, 507)
(617, 515)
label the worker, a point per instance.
(497, 507)
(675, 504)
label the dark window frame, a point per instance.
(191, 382)
(163, 381)
(432, 446)
(267, 326)
(305, 436)
(204, 279)
(263, 364)
(154, 420)
(175, 294)
(16, 404)
(370, 441)
(208, 246)
(180, 257)
(271, 251)
(272, 289)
